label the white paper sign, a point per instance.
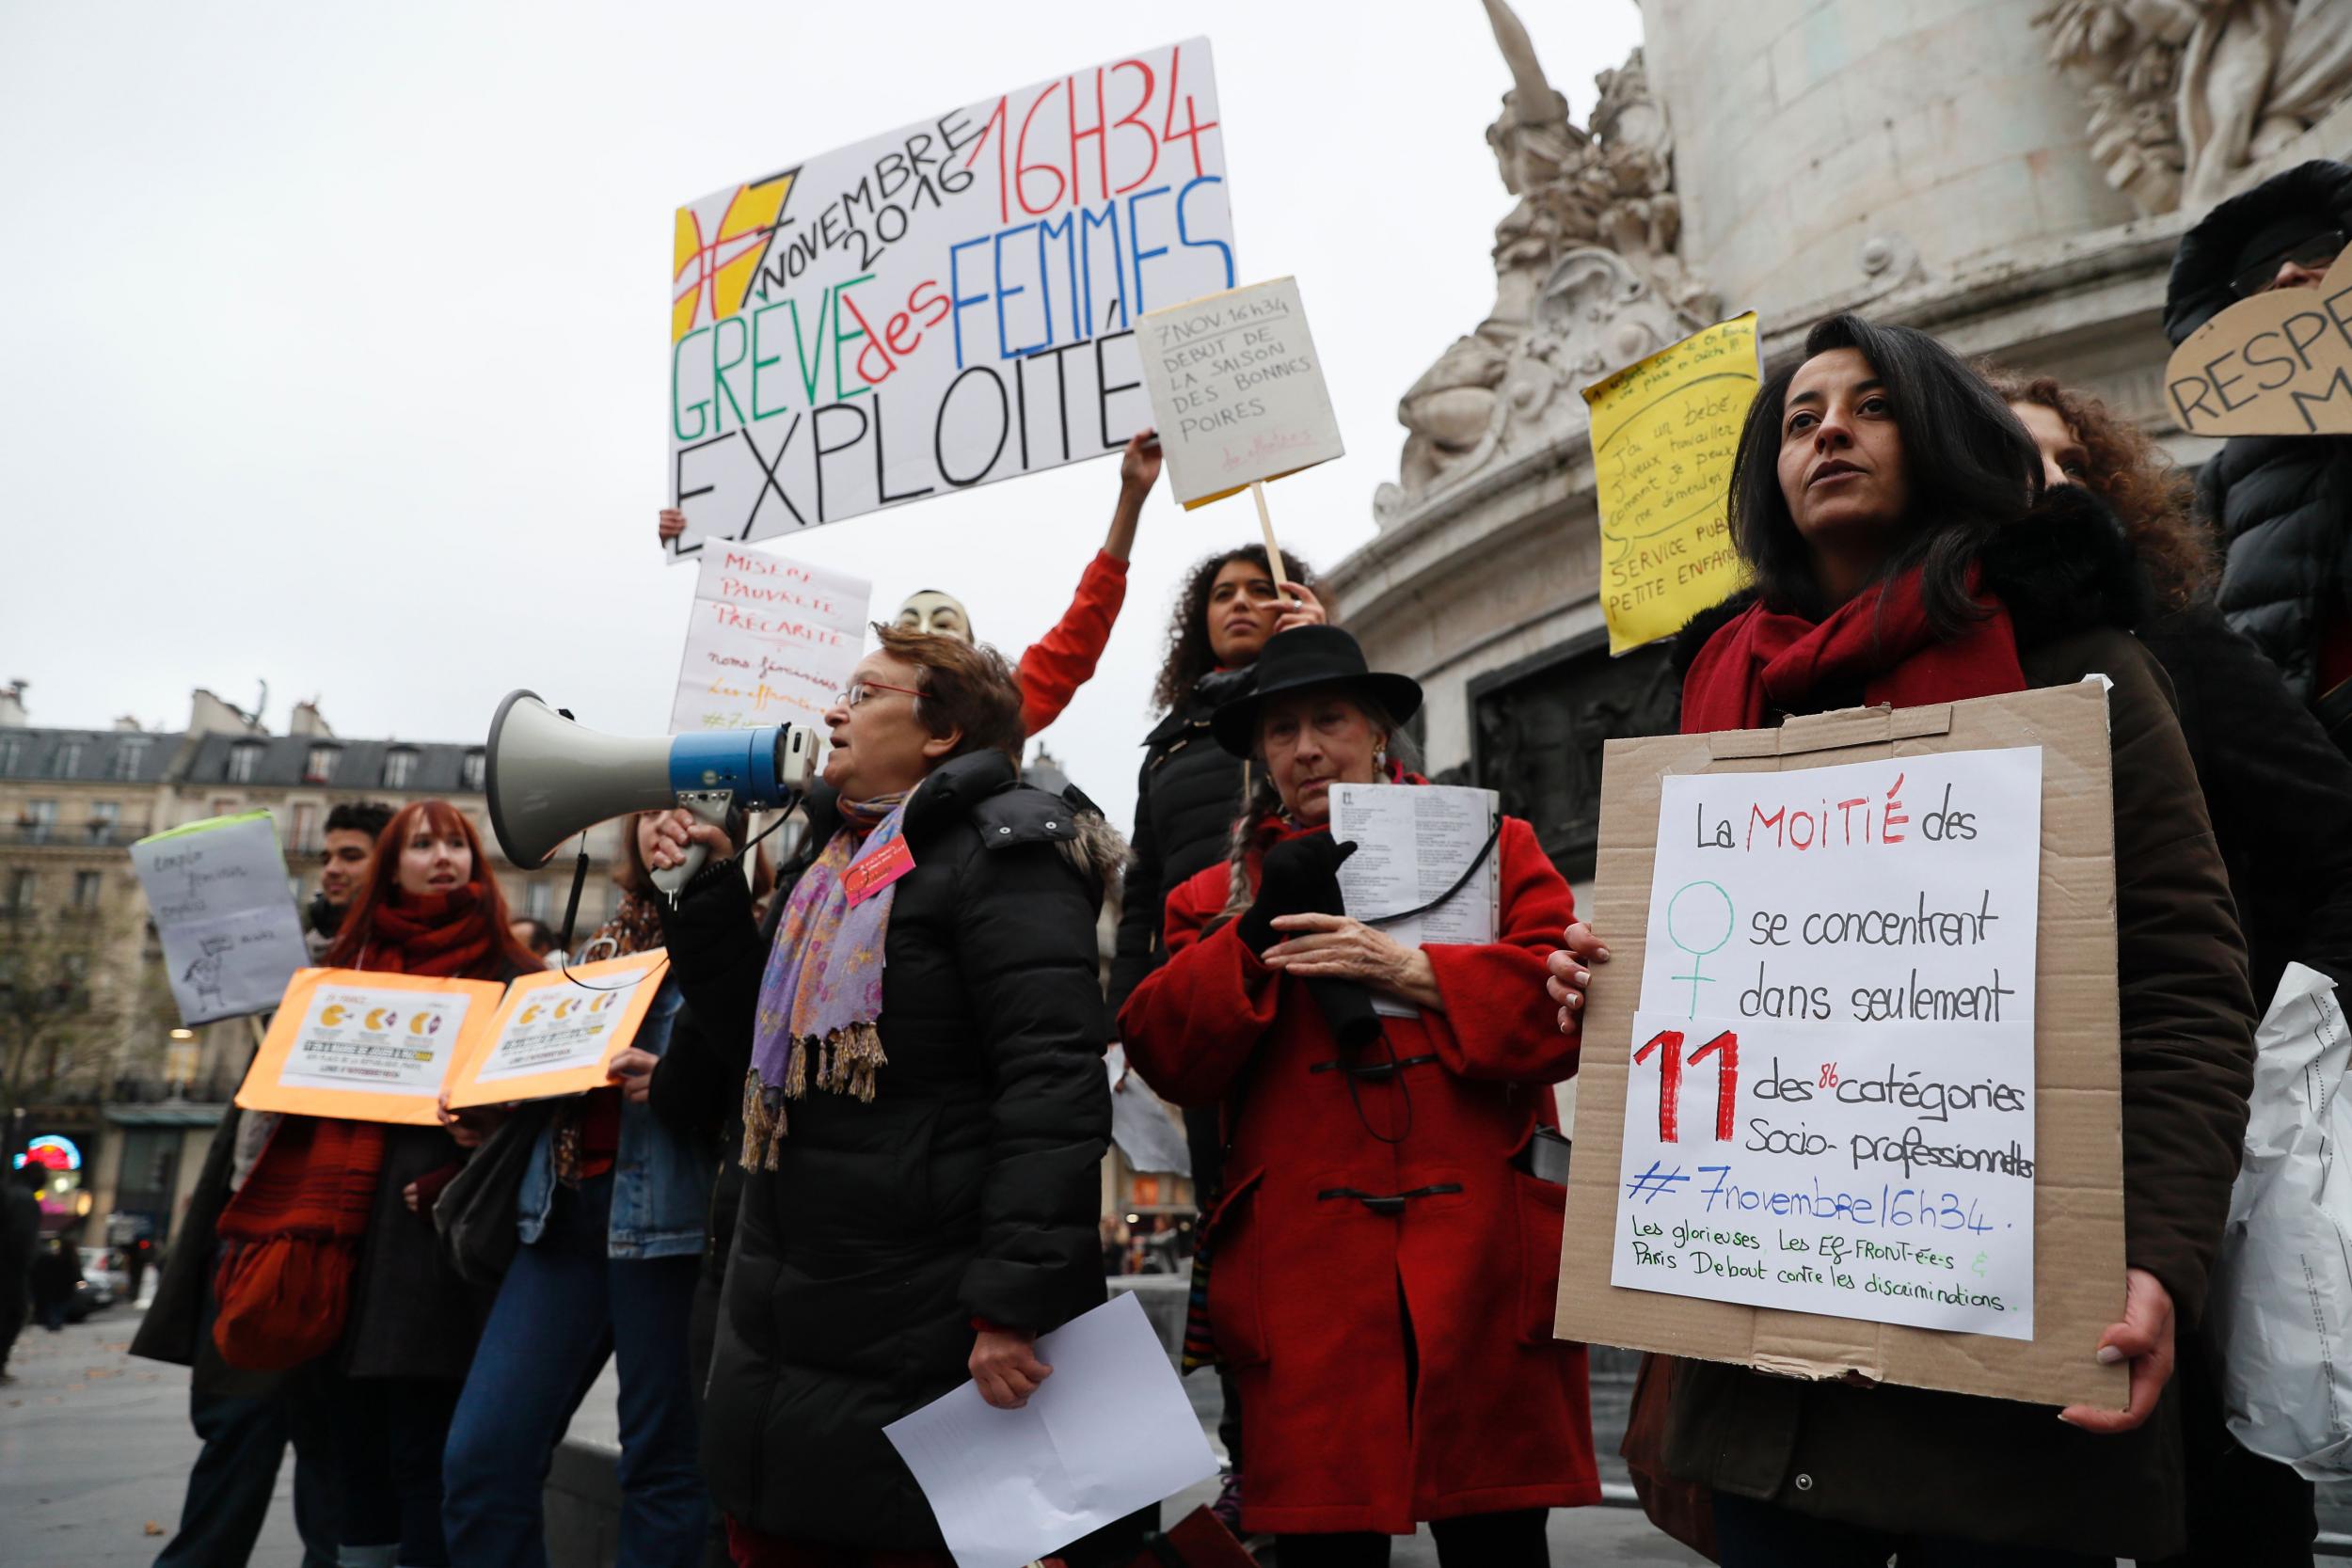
(377, 1041)
(1831, 1108)
(566, 1025)
(1142, 1125)
(1109, 1431)
(942, 305)
(769, 642)
(231, 937)
(1412, 844)
(1237, 389)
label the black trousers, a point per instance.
(1512, 1540)
(231, 1482)
(1749, 1534)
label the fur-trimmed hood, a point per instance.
(2063, 566)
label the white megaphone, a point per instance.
(547, 778)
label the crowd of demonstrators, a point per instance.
(1381, 1261)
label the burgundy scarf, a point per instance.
(1762, 661)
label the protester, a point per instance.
(330, 1248)
(536, 937)
(2281, 798)
(924, 1101)
(56, 1275)
(1867, 481)
(1381, 1266)
(346, 856)
(2283, 504)
(246, 1418)
(20, 1239)
(610, 1221)
(1186, 795)
(1056, 665)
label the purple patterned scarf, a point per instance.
(823, 994)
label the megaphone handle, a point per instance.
(707, 805)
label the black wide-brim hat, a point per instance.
(1309, 658)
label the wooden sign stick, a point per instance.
(1273, 550)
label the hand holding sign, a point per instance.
(2278, 364)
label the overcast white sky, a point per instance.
(333, 340)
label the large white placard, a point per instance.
(1832, 1103)
(769, 642)
(380, 1041)
(231, 937)
(1237, 390)
(945, 305)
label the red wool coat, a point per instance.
(1309, 1285)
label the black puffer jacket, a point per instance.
(968, 1188)
(2283, 504)
(1186, 799)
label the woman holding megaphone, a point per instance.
(329, 1246)
(919, 1049)
(1381, 1267)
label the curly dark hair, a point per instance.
(1189, 655)
(2156, 501)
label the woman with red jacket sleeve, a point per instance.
(1383, 1260)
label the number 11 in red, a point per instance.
(1667, 1045)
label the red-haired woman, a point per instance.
(330, 1248)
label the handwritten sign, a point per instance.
(769, 642)
(1873, 1088)
(556, 1031)
(1237, 390)
(1665, 430)
(2278, 364)
(946, 305)
(1832, 1103)
(372, 1047)
(227, 922)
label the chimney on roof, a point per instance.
(307, 720)
(12, 712)
(208, 715)
(128, 725)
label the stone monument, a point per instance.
(2010, 175)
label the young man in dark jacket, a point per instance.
(2282, 503)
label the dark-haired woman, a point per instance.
(353, 1200)
(919, 1056)
(1868, 481)
(1384, 1256)
(2280, 796)
(609, 1216)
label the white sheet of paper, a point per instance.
(1237, 389)
(563, 1026)
(1412, 843)
(769, 641)
(1109, 1431)
(1832, 1101)
(376, 1042)
(1141, 1125)
(231, 937)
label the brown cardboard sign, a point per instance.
(2278, 364)
(2076, 1201)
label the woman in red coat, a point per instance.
(1384, 1260)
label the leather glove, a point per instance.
(1301, 876)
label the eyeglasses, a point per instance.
(2316, 251)
(863, 690)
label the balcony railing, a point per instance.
(85, 835)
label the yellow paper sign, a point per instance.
(1664, 430)
(369, 1047)
(555, 1032)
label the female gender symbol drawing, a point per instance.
(1694, 929)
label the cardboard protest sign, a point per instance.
(350, 1043)
(1894, 1138)
(555, 1032)
(1845, 969)
(2278, 364)
(769, 642)
(945, 305)
(229, 934)
(1664, 430)
(1237, 390)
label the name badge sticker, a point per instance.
(878, 870)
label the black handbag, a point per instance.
(476, 1212)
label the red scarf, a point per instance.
(1763, 662)
(293, 1230)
